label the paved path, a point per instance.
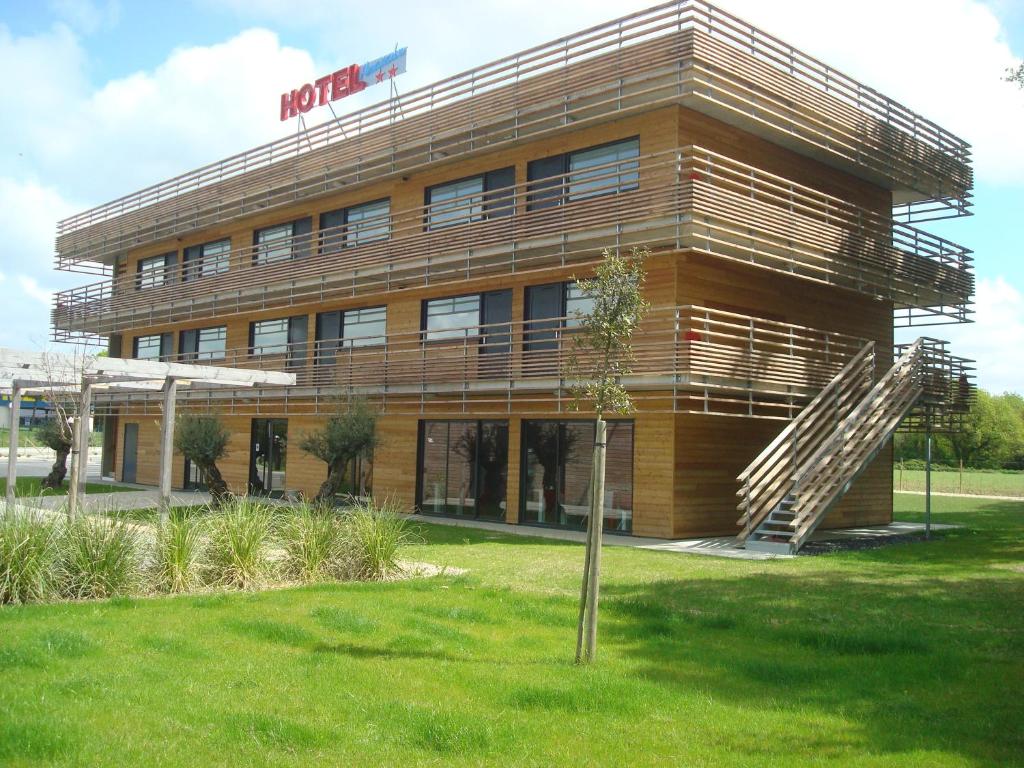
(99, 503)
(715, 546)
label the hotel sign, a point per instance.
(344, 82)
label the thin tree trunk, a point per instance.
(585, 586)
(597, 513)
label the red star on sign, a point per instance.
(393, 71)
(380, 76)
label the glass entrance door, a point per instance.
(268, 454)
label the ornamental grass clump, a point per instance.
(28, 553)
(239, 543)
(375, 534)
(99, 557)
(312, 538)
(178, 552)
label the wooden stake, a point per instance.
(167, 449)
(596, 524)
(12, 447)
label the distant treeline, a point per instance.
(993, 437)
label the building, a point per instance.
(421, 253)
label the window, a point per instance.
(203, 343)
(207, 259)
(462, 316)
(364, 327)
(282, 242)
(155, 271)
(546, 306)
(462, 468)
(279, 337)
(453, 318)
(359, 224)
(486, 196)
(602, 170)
(154, 347)
(556, 460)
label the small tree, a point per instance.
(349, 435)
(1015, 75)
(203, 440)
(602, 354)
(56, 437)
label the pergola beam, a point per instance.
(40, 371)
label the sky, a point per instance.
(99, 98)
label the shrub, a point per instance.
(177, 554)
(374, 535)
(239, 538)
(99, 557)
(203, 440)
(28, 551)
(349, 435)
(313, 543)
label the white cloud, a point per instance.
(34, 291)
(995, 339)
(86, 15)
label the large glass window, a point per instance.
(546, 306)
(207, 259)
(451, 318)
(556, 463)
(203, 343)
(486, 315)
(282, 241)
(364, 327)
(153, 347)
(155, 271)
(286, 335)
(463, 468)
(488, 195)
(355, 225)
(602, 170)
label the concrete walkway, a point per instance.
(101, 503)
(714, 546)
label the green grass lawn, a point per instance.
(971, 482)
(908, 655)
(32, 486)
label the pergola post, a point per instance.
(167, 448)
(79, 452)
(12, 446)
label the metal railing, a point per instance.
(685, 198)
(686, 353)
(626, 65)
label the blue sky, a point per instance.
(104, 96)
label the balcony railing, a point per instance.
(686, 198)
(686, 358)
(687, 52)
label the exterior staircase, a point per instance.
(789, 488)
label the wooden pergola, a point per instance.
(78, 377)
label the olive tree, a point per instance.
(602, 354)
(203, 440)
(348, 435)
(56, 436)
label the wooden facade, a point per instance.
(776, 259)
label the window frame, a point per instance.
(540, 195)
(326, 349)
(347, 238)
(145, 278)
(196, 259)
(484, 336)
(495, 199)
(164, 344)
(297, 242)
(199, 353)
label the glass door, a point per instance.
(268, 454)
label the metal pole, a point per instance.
(928, 484)
(12, 447)
(167, 449)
